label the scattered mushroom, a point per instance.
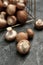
(9, 6)
(20, 5)
(23, 47)
(21, 36)
(39, 24)
(11, 34)
(11, 20)
(22, 16)
(30, 33)
(11, 9)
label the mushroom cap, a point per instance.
(11, 20)
(21, 36)
(20, 5)
(23, 47)
(11, 9)
(22, 16)
(39, 24)
(30, 33)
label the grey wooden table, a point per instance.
(8, 53)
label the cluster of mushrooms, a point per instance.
(22, 38)
(12, 12)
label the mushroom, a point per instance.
(39, 24)
(20, 5)
(5, 3)
(30, 33)
(1, 4)
(11, 34)
(11, 20)
(22, 16)
(21, 36)
(23, 46)
(11, 9)
(3, 22)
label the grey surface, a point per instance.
(8, 53)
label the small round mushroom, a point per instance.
(23, 47)
(30, 33)
(21, 36)
(39, 24)
(11, 9)
(22, 16)
(11, 20)
(20, 5)
(11, 34)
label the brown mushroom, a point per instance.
(20, 5)
(11, 20)
(30, 33)
(23, 47)
(22, 16)
(39, 24)
(21, 36)
(11, 9)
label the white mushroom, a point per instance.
(11, 34)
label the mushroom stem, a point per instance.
(9, 29)
(2, 15)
